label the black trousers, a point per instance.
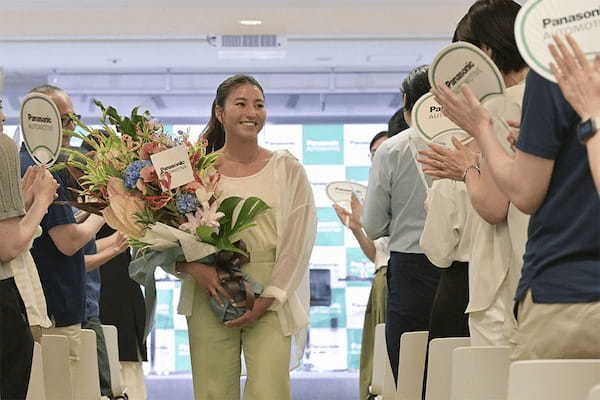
(448, 318)
(16, 343)
(412, 283)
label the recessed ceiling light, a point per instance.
(250, 22)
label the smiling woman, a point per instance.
(272, 333)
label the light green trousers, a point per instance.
(216, 349)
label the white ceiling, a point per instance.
(131, 50)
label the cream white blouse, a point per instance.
(295, 225)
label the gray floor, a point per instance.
(305, 386)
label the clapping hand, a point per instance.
(441, 162)
(350, 219)
(466, 111)
(120, 242)
(39, 185)
(578, 78)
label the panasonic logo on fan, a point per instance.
(322, 145)
(569, 19)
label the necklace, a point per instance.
(252, 160)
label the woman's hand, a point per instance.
(261, 306)
(347, 218)
(578, 78)
(466, 111)
(206, 276)
(120, 242)
(44, 187)
(443, 163)
(26, 185)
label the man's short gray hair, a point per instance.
(47, 90)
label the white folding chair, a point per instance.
(480, 373)
(57, 375)
(86, 380)
(411, 365)
(36, 390)
(594, 393)
(553, 379)
(439, 366)
(382, 380)
(111, 337)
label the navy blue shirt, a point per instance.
(562, 258)
(92, 285)
(62, 276)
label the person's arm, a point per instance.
(376, 212)
(525, 178)
(579, 80)
(352, 222)
(69, 238)
(16, 232)
(462, 164)
(106, 249)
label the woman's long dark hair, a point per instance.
(214, 133)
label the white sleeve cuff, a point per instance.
(279, 295)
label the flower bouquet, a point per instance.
(163, 192)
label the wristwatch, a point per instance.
(587, 129)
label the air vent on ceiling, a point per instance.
(248, 41)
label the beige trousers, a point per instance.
(557, 330)
(216, 351)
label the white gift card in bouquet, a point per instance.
(174, 163)
(462, 63)
(41, 128)
(538, 20)
(340, 192)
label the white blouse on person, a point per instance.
(382, 252)
(296, 222)
(450, 224)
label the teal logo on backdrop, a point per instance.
(358, 266)
(323, 144)
(330, 231)
(333, 316)
(354, 345)
(182, 351)
(357, 174)
(164, 309)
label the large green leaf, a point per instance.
(252, 208)
(227, 207)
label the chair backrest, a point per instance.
(411, 365)
(57, 375)
(553, 379)
(85, 372)
(480, 373)
(439, 366)
(111, 338)
(382, 379)
(594, 393)
(36, 389)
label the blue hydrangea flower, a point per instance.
(132, 172)
(186, 203)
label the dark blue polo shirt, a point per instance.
(562, 258)
(62, 276)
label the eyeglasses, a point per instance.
(67, 119)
